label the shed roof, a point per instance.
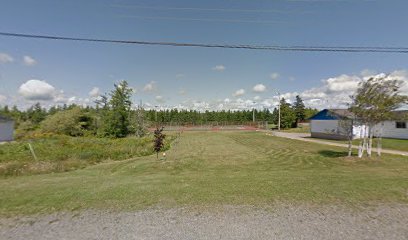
(332, 114)
(401, 115)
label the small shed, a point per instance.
(6, 129)
(327, 124)
(397, 127)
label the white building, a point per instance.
(6, 129)
(330, 124)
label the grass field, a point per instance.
(212, 168)
(57, 153)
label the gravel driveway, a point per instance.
(228, 222)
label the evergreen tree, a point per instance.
(288, 115)
(36, 114)
(299, 108)
(116, 121)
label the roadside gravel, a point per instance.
(225, 222)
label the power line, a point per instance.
(203, 9)
(351, 49)
(204, 19)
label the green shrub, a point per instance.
(72, 122)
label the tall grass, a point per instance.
(57, 153)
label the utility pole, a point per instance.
(253, 113)
(279, 109)
(279, 118)
(156, 113)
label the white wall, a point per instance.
(6, 131)
(390, 130)
(332, 127)
(324, 126)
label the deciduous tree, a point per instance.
(373, 103)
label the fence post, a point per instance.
(32, 152)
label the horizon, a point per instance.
(62, 72)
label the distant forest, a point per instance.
(113, 116)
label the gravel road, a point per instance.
(227, 222)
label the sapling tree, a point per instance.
(159, 137)
(346, 126)
(116, 117)
(373, 103)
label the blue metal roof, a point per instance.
(325, 114)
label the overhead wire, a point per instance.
(345, 49)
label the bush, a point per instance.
(72, 122)
(59, 153)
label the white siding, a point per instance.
(332, 127)
(391, 131)
(6, 131)
(324, 126)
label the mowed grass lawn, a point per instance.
(215, 168)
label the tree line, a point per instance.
(113, 116)
(291, 115)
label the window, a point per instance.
(400, 124)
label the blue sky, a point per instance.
(189, 77)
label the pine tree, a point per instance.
(299, 108)
(116, 121)
(288, 115)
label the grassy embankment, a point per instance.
(212, 168)
(56, 153)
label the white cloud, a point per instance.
(182, 92)
(342, 83)
(37, 90)
(368, 73)
(59, 97)
(5, 58)
(72, 99)
(160, 99)
(3, 98)
(239, 92)
(150, 87)
(257, 98)
(29, 61)
(274, 76)
(94, 93)
(336, 91)
(259, 88)
(219, 68)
